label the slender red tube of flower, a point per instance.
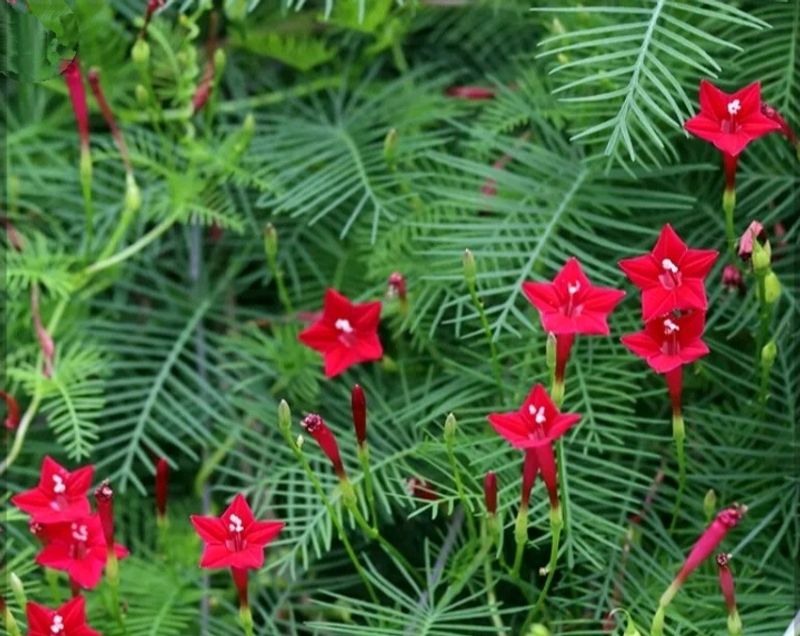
(702, 549)
(104, 498)
(162, 489)
(729, 594)
(71, 70)
(12, 411)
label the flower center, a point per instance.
(671, 345)
(538, 414)
(79, 532)
(343, 325)
(57, 626)
(571, 307)
(671, 276)
(734, 106)
(235, 526)
(58, 484)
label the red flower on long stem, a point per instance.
(671, 276)
(78, 548)
(60, 495)
(571, 305)
(534, 428)
(345, 334)
(12, 411)
(67, 620)
(669, 342)
(235, 539)
(104, 498)
(318, 429)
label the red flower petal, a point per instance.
(543, 296)
(264, 532)
(210, 529)
(642, 271)
(641, 344)
(698, 263)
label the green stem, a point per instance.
(728, 207)
(473, 292)
(246, 617)
(133, 248)
(521, 539)
(363, 458)
(315, 482)
(491, 597)
(460, 489)
(679, 435)
(52, 580)
(556, 525)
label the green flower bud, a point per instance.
(133, 196)
(450, 428)
(539, 630)
(270, 243)
(710, 503)
(469, 268)
(389, 147)
(140, 53)
(772, 288)
(631, 629)
(762, 256)
(219, 62)
(300, 440)
(284, 417)
(18, 590)
(142, 96)
(769, 353)
(550, 352)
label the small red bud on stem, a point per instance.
(12, 411)
(490, 492)
(162, 487)
(318, 429)
(358, 403)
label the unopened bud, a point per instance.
(539, 630)
(450, 428)
(142, 96)
(490, 492)
(140, 53)
(389, 147)
(762, 256)
(710, 504)
(12, 411)
(219, 62)
(104, 498)
(772, 288)
(162, 487)
(133, 196)
(469, 268)
(270, 242)
(358, 404)
(768, 354)
(631, 629)
(284, 417)
(300, 441)
(17, 589)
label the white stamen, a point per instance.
(342, 324)
(58, 484)
(670, 327)
(79, 532)
(538, 414)
(235, 523)
(573, 288)
(734, 107)
(57, 626)
(668, 265)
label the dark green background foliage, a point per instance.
(182, 347)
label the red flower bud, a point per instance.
(162, 487)
(732, 278)
(71, 70)
(726, 582)
(94, 81)
(421, 489)
(785, 129)
(490, 492)
(396, 286)
(318, 429)
(471, 93)
(753, 232)
(104, 497)
(710, 539)
(358, 403)
(12, 411)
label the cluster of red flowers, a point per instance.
(674, 303)
(74, 540)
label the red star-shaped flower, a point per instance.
(571, 304)
(346, 334)
(671, 276)
(670, 341)
(79, 548)
(60, 495)
(730, 121)
(235, 539)
(67, 620)
(537, 423)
